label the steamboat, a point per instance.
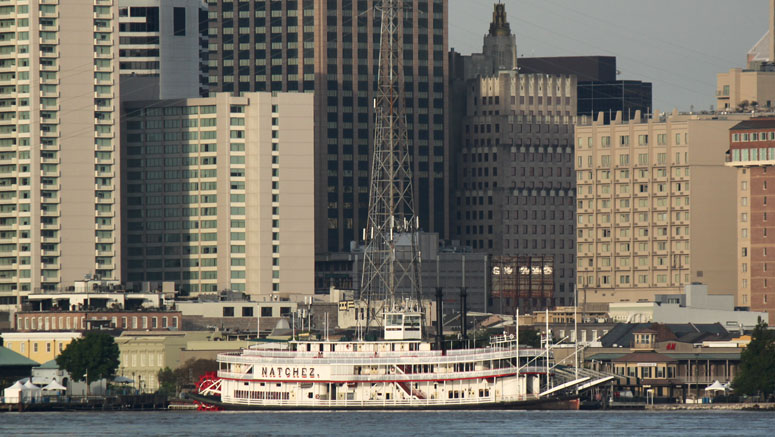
(396, 373)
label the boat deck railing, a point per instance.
(387, 403)
(250, 356)
(398, 377)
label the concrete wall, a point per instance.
(713, 220)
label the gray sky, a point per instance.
(678, 45)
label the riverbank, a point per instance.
(758, 406)
(93, 403)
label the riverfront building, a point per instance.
(331, 47)
(143, 354)
(163, 49)
(60, 214)
(39, 346)
(655, 207)
(219, 193)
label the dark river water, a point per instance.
(462, 423)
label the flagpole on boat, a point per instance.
(576, 329)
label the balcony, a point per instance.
(105, 227)
(111, 240)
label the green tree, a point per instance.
(530, 337)
(172, 381)
(168, 381)
(93, 357)
(756, 373)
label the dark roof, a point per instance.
(644, 357)
(622, 334)
(11, 358)
(613, 356)
(755, 123)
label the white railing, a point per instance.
(405, 377)
(372, 403)
(373, 358)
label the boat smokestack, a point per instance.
(463, 312)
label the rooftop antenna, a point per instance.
(391, 271)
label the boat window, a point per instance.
(394, 320)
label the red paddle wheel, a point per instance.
(209, 385)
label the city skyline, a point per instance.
(690, 37)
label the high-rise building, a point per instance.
(499, 48)
(513, 137)
(219, 193)
(599, 90)
(515, 191)
(752, 153)
(163, 49)
(655, 207)
(331, 47)
(59, 152)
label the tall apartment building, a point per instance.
(59, 205)
(331, 47)
(752, 154)
(655, 207)
(163, 49)
(515, 192)
(219, 193)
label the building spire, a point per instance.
(499, 25)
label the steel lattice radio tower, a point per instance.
(391, 264)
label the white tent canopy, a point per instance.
(30, 392)
(716, 386)
(29, 386)
(54, 386)
(11, 394)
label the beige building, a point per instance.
(752, 87)
(655, 207)
(220, 193)
(143, 354)
(59, 211)
(740, 88)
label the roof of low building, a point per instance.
(10, 358)
(755, 123)
(622, 334)
(51, 364)
(614, 356)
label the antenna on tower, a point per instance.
(391, 269)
